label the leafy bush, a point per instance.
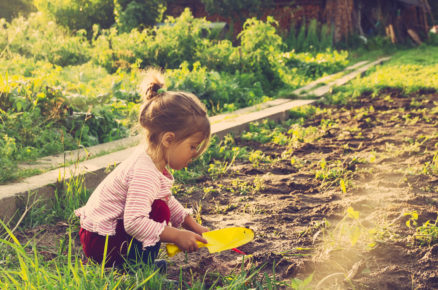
(36, 38)
(137, 13)
(7, 165)
(221, 56)
(78, 14)
(177, 40)
(260, 47)
(83, 14)
(151, 47)
(125, 50)
(38, 120)
(218, 91)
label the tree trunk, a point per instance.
(338, 14)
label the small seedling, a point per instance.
(299, 284)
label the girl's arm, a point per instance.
(190, 224)
(185, 240)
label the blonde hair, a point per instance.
(171, 111)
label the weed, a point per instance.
(427, 233)
(315, 228)
(297, 252)
(210, 190)
(256, 157)
(244, 187)
(299, 284)
(28, 269)
(218, 168)
(348, 233)
(69, 195)
(331, 172)
(197, 209)
(224, 209)
(431, 167)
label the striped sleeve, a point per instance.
(177, 212)
(143, 189)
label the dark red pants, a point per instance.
(93, 244)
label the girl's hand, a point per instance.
(186, 241)
(202, 229)
(191, 225)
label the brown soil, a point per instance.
(289, 215)
(300, 222)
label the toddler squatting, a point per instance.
(134, 205)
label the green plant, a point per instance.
(37, 120)
(36, 38)
(8, 166)
(348, 233)
(218, 168)
(400, 73)
(244, 187)
(329, 172)
(71, 194)
(431, 167)
(299, 284)
(427, 233)
(137, 14)
(261, 46)
(316, 64)
(25, 267)
(256, 157)
(311, 37)
(184, 32)
(81, 14)
(263, 132)
(220, 56)
(218, 91)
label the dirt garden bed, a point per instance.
(335, 199)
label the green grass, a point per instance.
(408, 71)
(22, 266)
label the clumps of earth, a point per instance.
(348, 234)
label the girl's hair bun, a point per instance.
(152, 82)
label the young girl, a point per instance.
(134, 205)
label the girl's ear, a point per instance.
(167, 139)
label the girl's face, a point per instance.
(180, 154)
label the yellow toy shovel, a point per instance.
(219, 240)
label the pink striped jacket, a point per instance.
(127, 193)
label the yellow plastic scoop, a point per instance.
(220, 240)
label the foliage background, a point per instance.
(69, 71)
